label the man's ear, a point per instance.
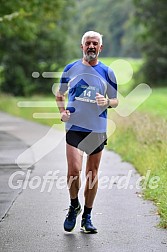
(81, 46)
(101, 48)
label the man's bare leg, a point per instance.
(91, 186)
(92, 167)
(74, 160)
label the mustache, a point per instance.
(91, 50)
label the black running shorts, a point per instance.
(89, 142)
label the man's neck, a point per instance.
(90, 63)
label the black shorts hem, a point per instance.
(90, 145)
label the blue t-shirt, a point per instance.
(82, 83)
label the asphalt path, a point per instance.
(34, 197)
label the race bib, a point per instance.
(86, 93)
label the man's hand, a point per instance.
(65, 115)
(101, 100)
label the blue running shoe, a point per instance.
(87, 226)
(70, 221)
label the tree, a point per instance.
(32, 38)
(152, 18)
(112, 18)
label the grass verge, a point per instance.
(47, 108)
(141, 139)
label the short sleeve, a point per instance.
(63, 87)
(112, 84)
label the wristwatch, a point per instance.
(108, 103)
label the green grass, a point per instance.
(140, 139)
(9, 104)
(156, 104)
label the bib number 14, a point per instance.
(87, 93)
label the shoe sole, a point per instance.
(75, 224)
(83, 230)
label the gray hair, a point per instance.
(92, 34)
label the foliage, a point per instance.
(131, 28)
(39, 36)
(152, 18)
(113, 19)
(32, 38)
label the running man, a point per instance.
(92, 89)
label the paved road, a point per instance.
(32, 215)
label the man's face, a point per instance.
(91, 48)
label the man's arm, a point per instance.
(60, 100)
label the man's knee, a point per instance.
(92, 175)
(74, 172)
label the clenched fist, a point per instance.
(101, 100)
(65, 115)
